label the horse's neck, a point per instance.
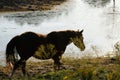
(42, 38)
(70, 36)
(67, 38)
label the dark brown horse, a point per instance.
(41, 46)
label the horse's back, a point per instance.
(27, 44)
(29, 35)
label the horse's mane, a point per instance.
(56, 36)
(50, 36)
(53, 32)
(57, 32)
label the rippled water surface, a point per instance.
(101, 26)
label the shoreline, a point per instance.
(37, 5)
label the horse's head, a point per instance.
(77, 39)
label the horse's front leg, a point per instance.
(57, 63)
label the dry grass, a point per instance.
(102, 68)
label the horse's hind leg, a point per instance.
(16, 66)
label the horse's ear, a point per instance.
(81, 31)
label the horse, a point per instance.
(49, 46)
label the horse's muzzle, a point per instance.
(83, 48)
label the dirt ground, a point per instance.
(33, 68)
(101, 68)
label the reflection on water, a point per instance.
(37, 17)
(97, 3)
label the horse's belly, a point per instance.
(45, 52)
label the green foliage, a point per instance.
(76, 69)
(86, 74)
(82, 69)
(113, 75)
(67, 75)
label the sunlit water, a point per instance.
(100, 34)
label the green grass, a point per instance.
(103, 68)
(92, 69)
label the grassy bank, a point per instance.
(28, 5)
(102, 68)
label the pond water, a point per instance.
(101, 26)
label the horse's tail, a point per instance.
(10, 52)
